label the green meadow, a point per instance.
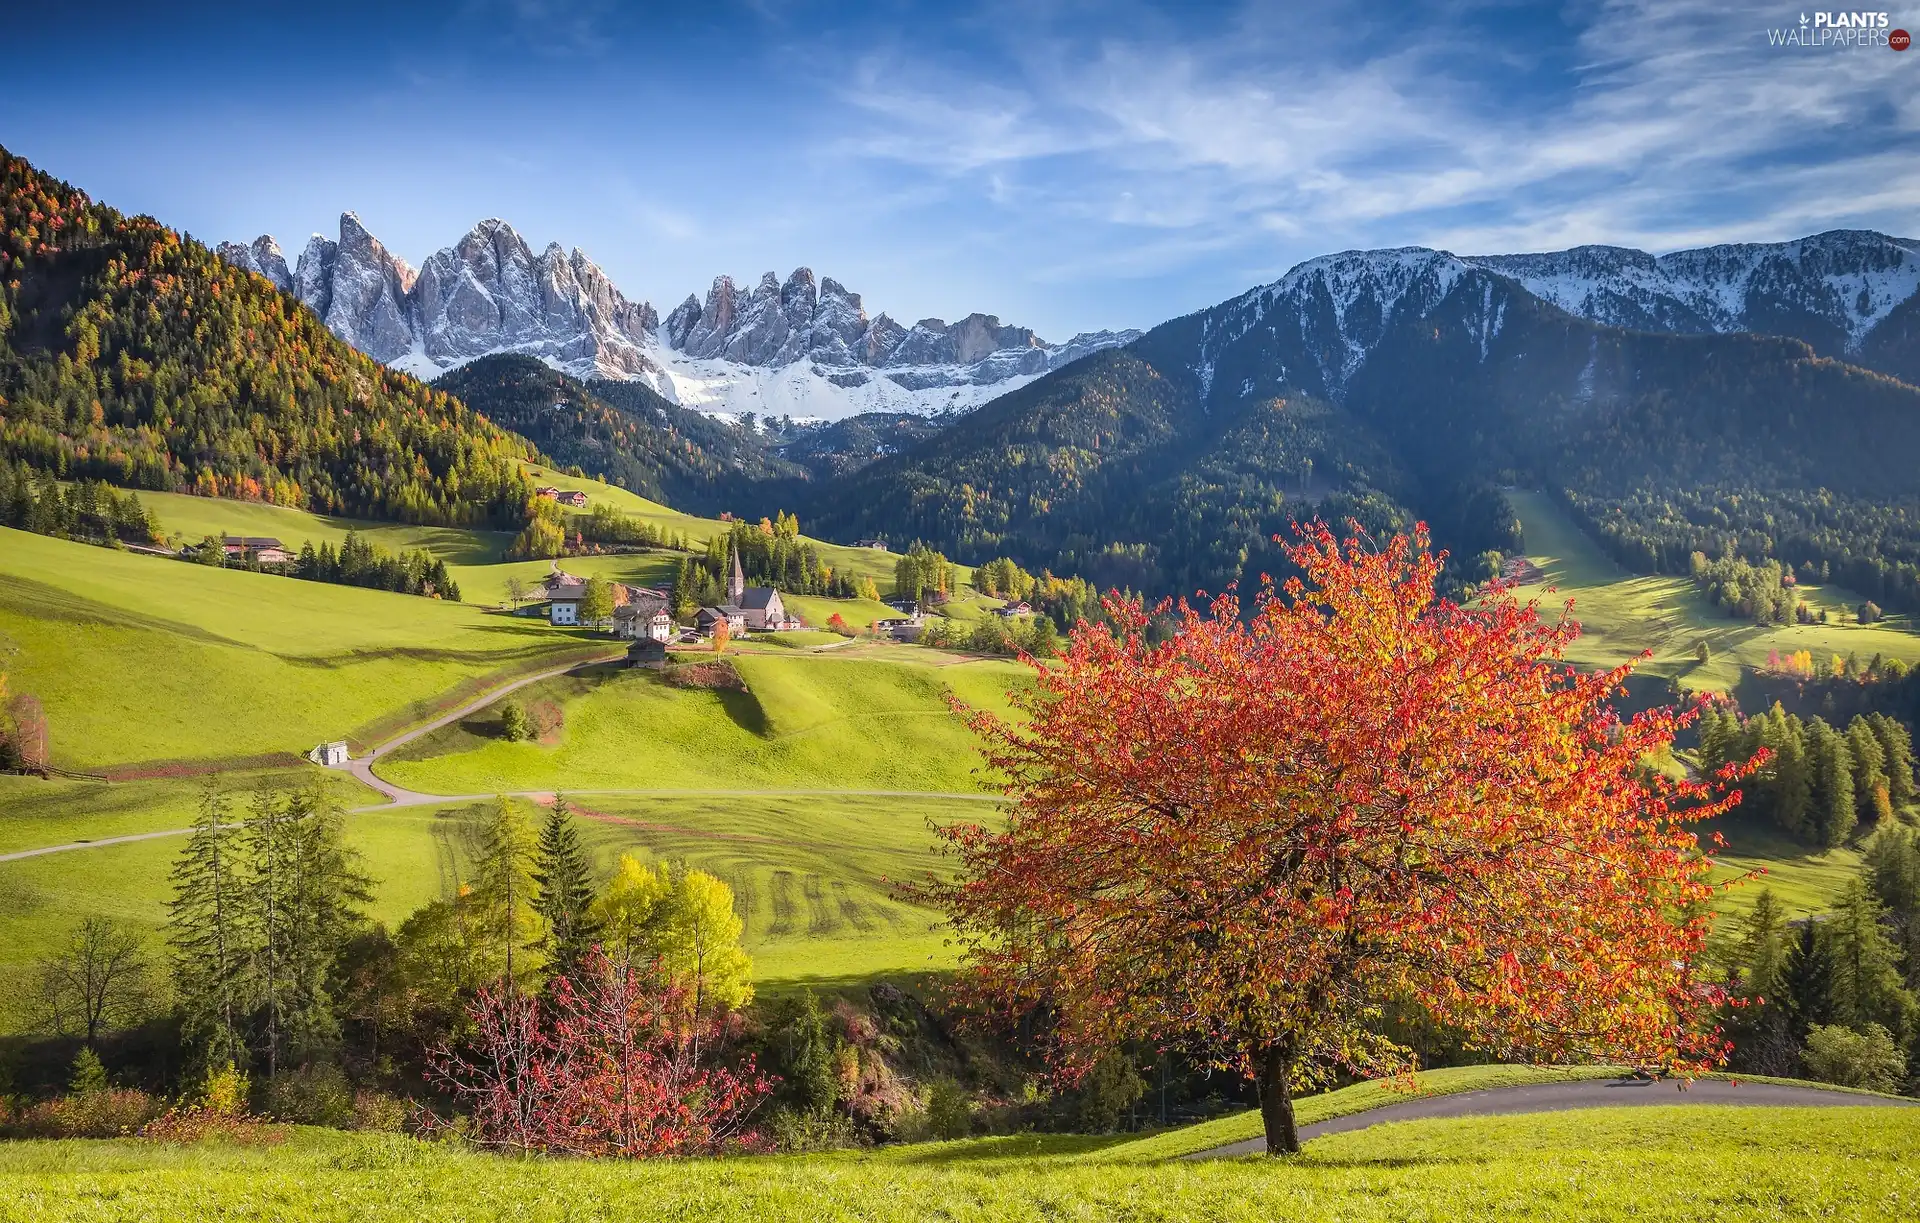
(135, 658)
(814, 875)
(835, 719)
(1621, 614)
(1644, 1164)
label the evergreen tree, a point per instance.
(207, 929)
(325, 898)
(1763, 951)
(1806, 982)
(1896, 749)
(506, 929)
(563, 891)
(1869, 768)
(1866, 982)
(1832, 768)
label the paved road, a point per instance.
(398, 796)
(1561, 1097)
(412, 799)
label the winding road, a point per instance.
(1564, 1097)
(399, 797)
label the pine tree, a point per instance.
(263, 877)
(563, 891)
(1763, 951)
(1832, 768)
(506, 928)
(1869, 767)
(207, 930)
(325, 895)
(1806, 982)
(1896, 747)
(1866, 983)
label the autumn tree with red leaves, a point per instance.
(1248, 839)
(613, 1062)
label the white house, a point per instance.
(563, 592)
(329, 755)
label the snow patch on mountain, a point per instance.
(1848, 279)
(801, 347)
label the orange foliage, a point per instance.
(1248, 839)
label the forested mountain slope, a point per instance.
(625, 433)
(1410, 382)
(132, 354)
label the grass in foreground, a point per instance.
(1732, 1165)
(1621, 614)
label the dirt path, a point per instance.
(1562, 1097)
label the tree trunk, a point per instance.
(1276, 1100)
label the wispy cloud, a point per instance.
(1668, 121)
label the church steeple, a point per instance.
(737, 585)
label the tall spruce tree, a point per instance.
(1806, 982)
(1869, 768)
(1763, 950)
(1896, 746)
(208, 931)
(325, 895)
(506, 929)
(1834, 815)
(563, 895)
(1867, 987)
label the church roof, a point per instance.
(757, 598)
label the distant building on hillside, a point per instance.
(708, 618)
(1013, 609)
(563, 592)
(329, 755)
(548, 493)
(878, 545)
(646, 650)
(574, 498)
(261, 549)
(759, 606)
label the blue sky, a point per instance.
(1066, 166)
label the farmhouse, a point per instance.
(563, 592)
(262, 549)
(707, 618)
(547, 492)
(574, 498)
(1013, 609)
(641, 612)
(878, 545)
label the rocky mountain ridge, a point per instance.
(802, 347)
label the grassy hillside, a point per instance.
(813, 875)
(1643, 1163)
(1621, 614)
(844, 718)
(137, 659)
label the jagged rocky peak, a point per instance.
(263, 256)
(491, 292)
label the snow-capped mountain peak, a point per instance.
(801, 347)
(1846, 280)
